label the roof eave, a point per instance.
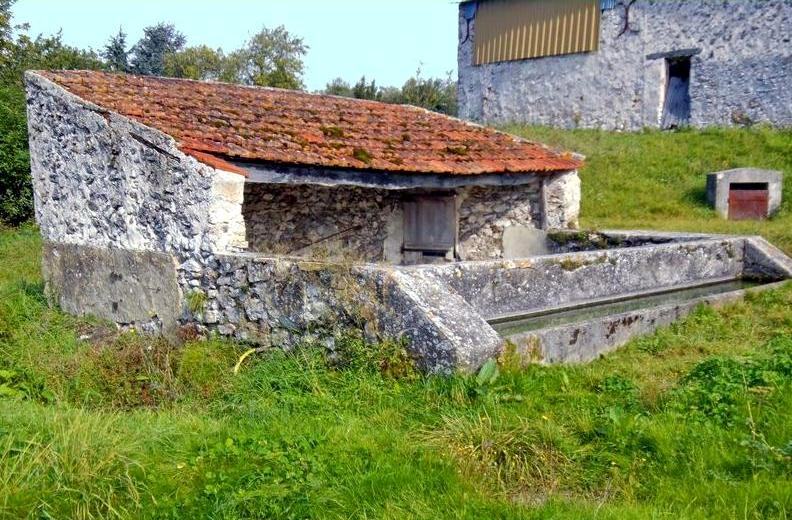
(275, 173)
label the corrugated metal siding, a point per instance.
(519, 29)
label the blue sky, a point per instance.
(383, 39)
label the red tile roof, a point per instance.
(218, 121)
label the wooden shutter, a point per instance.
(519, 29)
(430, 223)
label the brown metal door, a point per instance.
(748, 204)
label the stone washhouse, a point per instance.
(627, 64)
(278, 217)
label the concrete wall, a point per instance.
(742, 74)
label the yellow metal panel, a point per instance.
(519, 29)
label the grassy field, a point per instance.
(693, 422)
(657, 180)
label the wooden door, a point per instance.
(430, 223)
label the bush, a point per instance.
(16, 191)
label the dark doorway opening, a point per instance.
(676, 110)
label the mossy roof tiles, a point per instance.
(215, 122)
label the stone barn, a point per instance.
(626, 64)
(164, 202)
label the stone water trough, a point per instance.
(594, 294)
(572, 306)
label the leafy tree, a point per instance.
(16, 190)
(19, 52)
(338, 87)
(363, 90)
(437, 94)
(391, 95)
(201, 62)
(148, 54)
(272, 58)
(116, 54)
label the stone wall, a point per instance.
(284, 302)
(365, 224)
(311, 220)
(101, 179)
(742, 74)
(485, 212)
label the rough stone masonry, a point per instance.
(740, 56)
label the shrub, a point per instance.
(16, 192)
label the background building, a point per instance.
(626, 64)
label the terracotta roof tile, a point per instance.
(210, 119)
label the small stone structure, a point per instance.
(745, 192)
(730, 61)
(167, 204)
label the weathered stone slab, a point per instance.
(126, 287)
(765, 261)
(502, 288)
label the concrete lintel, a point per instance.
(679, 53)
(284, 174)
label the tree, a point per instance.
(116, 54)
(201, 62)
(19, 52)
(148, 54)
(272, 58)
(338, 87)
(437, 94)
(363, 90)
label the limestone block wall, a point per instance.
(486, 211)
(742, 74)
(284, 302)
(312, 220)
(101, 179)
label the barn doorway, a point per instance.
(676, 109)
